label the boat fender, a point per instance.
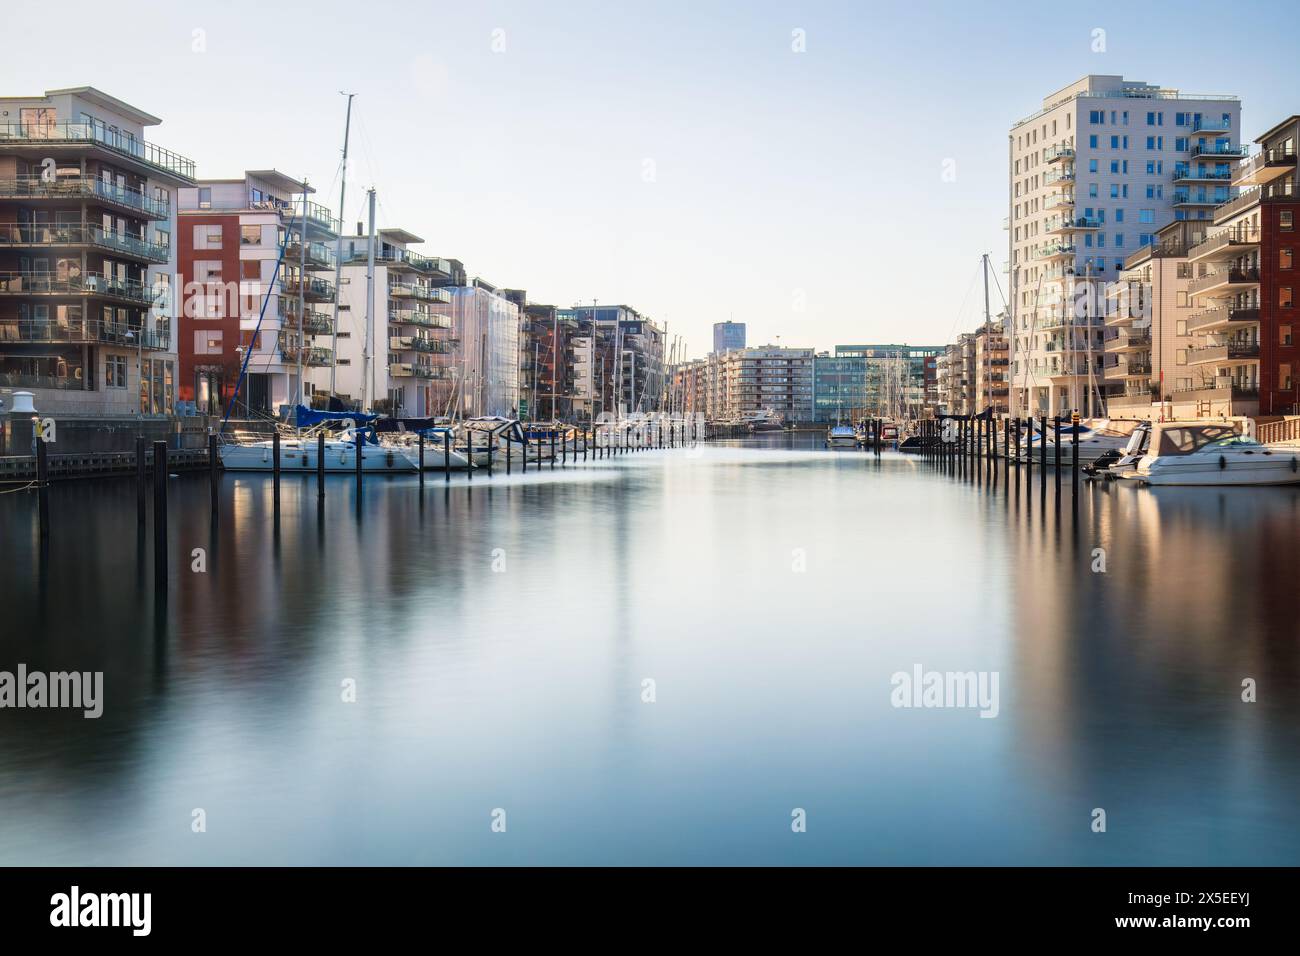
(1223, 463)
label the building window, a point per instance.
(1284, 258)
(1285, 218)
(1284, 300)
(115, 371)
(1284, 376)
(207, 343)
(1180, 357)
(1284, 335)
(250, 269)
(205, 197)
(1180, 327)
(250, 235)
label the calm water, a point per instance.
(521, 688)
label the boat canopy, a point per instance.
(1185, 438)
(305, 417)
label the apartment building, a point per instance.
(406, 367)
(757, 378)
(1094, 175)
(1147, 328)
(87, 263)
(546, 363)
(990, 357)
(615, 351)
(232, 234)
(1243, 290)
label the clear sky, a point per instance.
(679, 157)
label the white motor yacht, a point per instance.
(1214, 453)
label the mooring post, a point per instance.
(421, 462)
(1074, 459)
(160, 518)
(320, 466)
(469, 453)
(490, 442)
(446, 455)
(509, 454)
(275, 467)
(214, 476)
(1042, 457)
(1029, 447)
(564, 450)
(139, 481)
(42, 488)
(359, 464)
(1057, 456)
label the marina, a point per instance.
(500, 634)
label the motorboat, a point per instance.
(764, 420)
(841, 436)
(1096, 438)
(1114, 464)
(1214, 453)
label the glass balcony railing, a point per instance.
(44, 134)
(1204, 124)
(83, 332)
(82, 234)
(318, 216)
(85, 187)
(1226, 150)
(92, 283)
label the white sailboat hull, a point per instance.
(1221, 468)
(301, 456)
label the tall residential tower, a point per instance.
(1093, 175)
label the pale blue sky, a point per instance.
(776, 174)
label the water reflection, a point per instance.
(499, 634)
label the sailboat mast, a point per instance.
(338, 250)
(370, 299)
(302, 302)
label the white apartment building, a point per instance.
(410, 344)
(1093, 175)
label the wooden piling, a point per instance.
(320, 466)
(421, 459)
(446, 455)
(160, 518)
(214, 470)
(42, 488)
(359, 463)
(140, 481)
(275, 467)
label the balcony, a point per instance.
(319, 255)
(320, 220)
(1185, 198)
(1057, 250)
(82, 332)
(1224, 280)
(71, 383)
(1225, 391)
(45, 135)
(91, 284)
(1234, 353)
(1185, 174)
(417, 370)
(1203, 124)
(407, 290)
(1219, 151)
(415, 343)
(1063, 175)
(79, 188)
(1225, 317)
(425, 320)
(313, 290)
(1264, 167)
(1065, 224)
(1059, 199)
(1130, 340)
(79, 235)
(1225, 244)
(1055, 154)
